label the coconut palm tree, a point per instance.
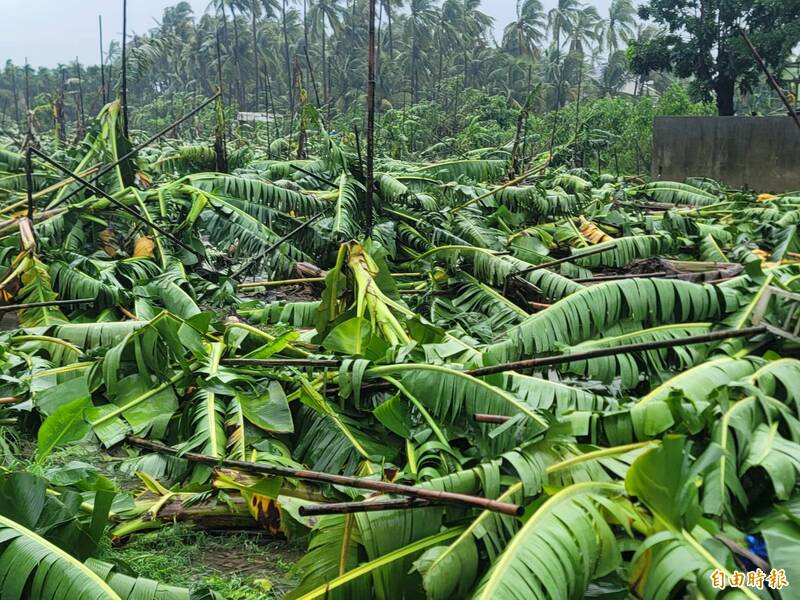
(522, 37)
(419, 27)
(620, 22)
(325, 14)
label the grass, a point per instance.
(236, 566)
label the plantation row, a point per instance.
(423, 370)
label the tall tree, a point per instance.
(703, 42)
(522, 36)
(324, 14)
(619, 26)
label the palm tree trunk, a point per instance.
(287, 62)
(325, 80)
(16, 94)
(237, 63)
(578, 97)
(305, 52)
(389, 21)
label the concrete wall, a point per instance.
(761, 153)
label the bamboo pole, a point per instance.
(9, 307)
(9, 400)
(303, 280)
(355, 482)
(487, 418)
(370, 117)
(346, 508)
(272, 284)
(29, 182)
(139, 147)
(770, 78)
(601, 278)
(104, 91)
(116, 202)
(522, 177)
(547, 361)
(553, 263)
(261, 255)
(282, 362)
(125, 68)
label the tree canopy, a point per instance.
(700, 39)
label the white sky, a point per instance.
(49, 31)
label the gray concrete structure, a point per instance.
(761, 153)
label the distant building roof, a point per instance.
(255, 116)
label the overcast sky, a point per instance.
(52, 31)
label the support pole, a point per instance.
(102, 62)
(139, 147)
(561, 359)
(770, 78)
(125, 68)
(370, 119)
(347, 508)
(319, 477)
(571, 257)
(10, 307)
(114, 201)
(283, 239)
(29, 180)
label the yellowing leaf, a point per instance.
(108, 241)
(144, 247)
(592, 232)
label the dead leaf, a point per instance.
(144, 247)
